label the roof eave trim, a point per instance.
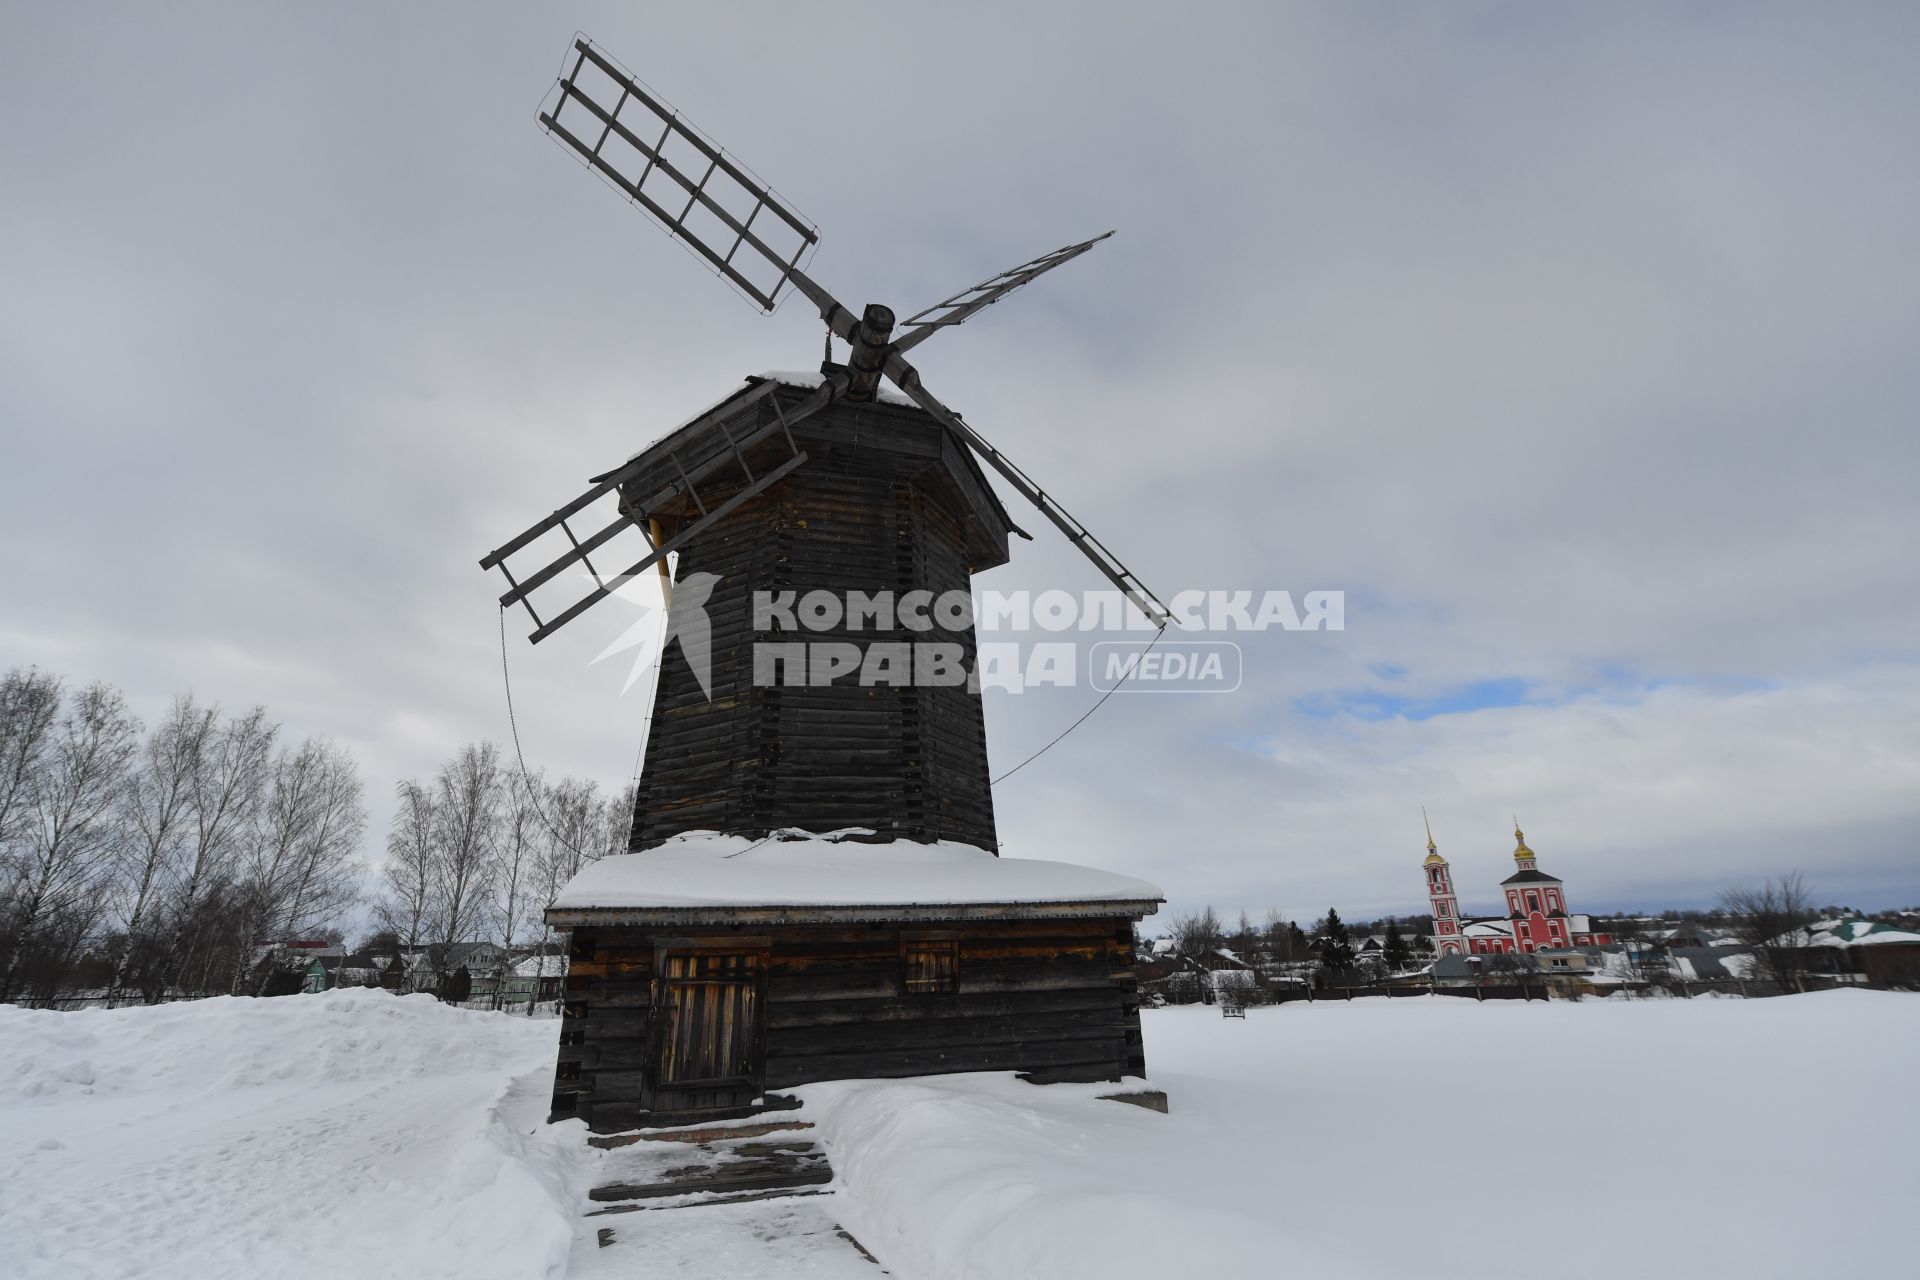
(574, 917)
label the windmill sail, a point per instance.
(907, 379)
(742, 421)
(955, 310)
(639, 144)
(738, 225)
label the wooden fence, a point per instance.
(1569, 986)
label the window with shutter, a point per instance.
(931, 965)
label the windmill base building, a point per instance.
(711, 971)
(1536, 916)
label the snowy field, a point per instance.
(360, 1135)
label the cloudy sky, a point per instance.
(1575, 345)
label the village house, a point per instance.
(1879, 953)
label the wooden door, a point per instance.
(708, 1026)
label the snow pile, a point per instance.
(799, 869)
(352, 1133)
(210, 1046)
(1377, 1139)
(984, 1175)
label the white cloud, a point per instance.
(1574, 344)
(1666, 796)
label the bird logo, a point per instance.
(683, 619)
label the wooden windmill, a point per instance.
(790, 485)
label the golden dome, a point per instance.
(1520, 850)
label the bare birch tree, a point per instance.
(158, 807)
(326, 874)
(1196, 933)
(617, 823)
(575, 810)
(175, 849)
(467, 797)
(1771, 919)
(407, 906)
(56, 880)
(228, 781)
(29, 706)
(297, 863)
(577, 836)
(516, 863)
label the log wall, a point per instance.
(1054, 998)
(879, 506)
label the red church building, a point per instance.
(1536, 917)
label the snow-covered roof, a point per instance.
(1709, 963)
(830, 876)
(813, 378)
(787, 377)
(1889, 935)
(541, 967)
(1848, 932)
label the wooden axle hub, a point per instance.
(872, 340)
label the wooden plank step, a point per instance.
(759, 1175)
(683, 1119)
(749, 1165)
(645, 1206)
(698, 1133)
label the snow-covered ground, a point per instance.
(1432, 1137)
(362, 1135)
(354, 1134)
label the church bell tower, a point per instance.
(1446, 907)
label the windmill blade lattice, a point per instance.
(642, 146)
(757, 242)
(742, 420)
(904, 376)
(955, 310)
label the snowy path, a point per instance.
(785, 1237)
(757, 1240)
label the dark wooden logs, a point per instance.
(884, 504)
(1052, 998)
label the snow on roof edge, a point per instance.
(813, 378)
(794, 869)
(787, 377)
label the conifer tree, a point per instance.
(457, 987)
(1336, 945)
(1393, 949)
